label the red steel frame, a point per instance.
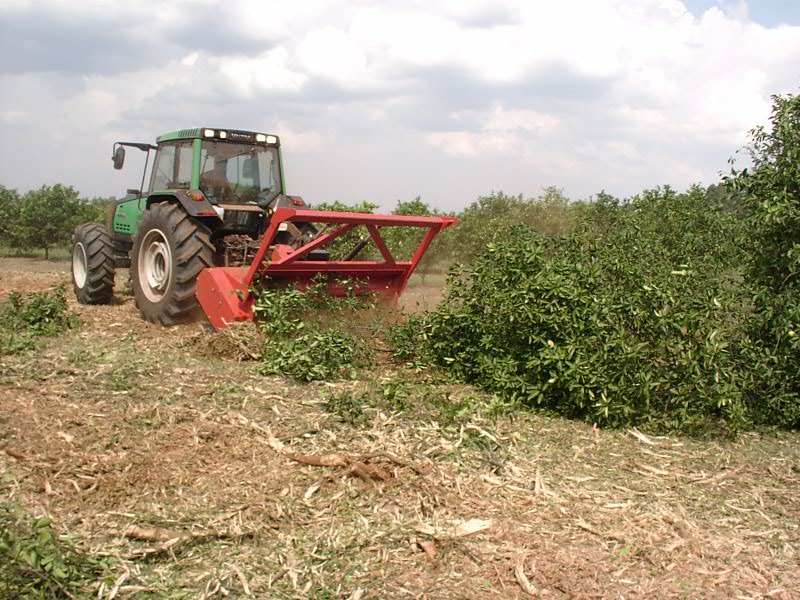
(224, 292)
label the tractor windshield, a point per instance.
(239, 173)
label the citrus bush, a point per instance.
(635, 317)
(401, 241)
(37, 563)
(491, 219)
(310, 335)
(24, 319)
(339, 247)
(770, 191)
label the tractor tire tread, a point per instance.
(99, 285)
(192, 251)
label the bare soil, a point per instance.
(205, 479)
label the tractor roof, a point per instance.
(232, 135)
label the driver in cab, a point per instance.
(215, 182)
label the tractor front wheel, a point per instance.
(92, 264)
(169, 251)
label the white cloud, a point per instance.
(301, 141)
(467, 144)
(672, 78)
(627, 92)
(501, 132)
(502, 119)
(330, 53)
(266, 72)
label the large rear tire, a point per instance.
(169, 251)
(92, 264)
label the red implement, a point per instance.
(224, 292)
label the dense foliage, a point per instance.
(310, 335)
(44, 218)
(625, 320)
(341, 246)
(491, 219)
(770, 193)
(9, 214)
(487, 219)
(401, 241)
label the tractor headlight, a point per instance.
(223, 135)
(208, 132)
(260, 137)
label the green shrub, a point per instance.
(348, 406)
(35, 563)
(38, 314)
(311, 335)
(9, 217)
(339, 247)
(314, 355)
(401, 241)
(773, 396)
(404, 241)
(44, 218)
(769, 190)
(491, 218)
(633, 318)
(407, 339)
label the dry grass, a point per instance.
(205, 479)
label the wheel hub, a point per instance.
(79, 268)
(155, 265)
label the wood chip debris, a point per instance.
(455, 530)
(522, 579)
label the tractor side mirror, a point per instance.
(248, 168)
(118, 157)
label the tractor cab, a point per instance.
(225, 166)
(231, 180)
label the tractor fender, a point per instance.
(193, 202)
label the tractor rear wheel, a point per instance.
(92, 264)
(169, 251)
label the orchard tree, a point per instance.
(343, 244)
(416, 207)
(9, 217)
(48, 216)
(403, 241)
(98, 209)
(770, 189)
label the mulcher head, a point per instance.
(225, 294)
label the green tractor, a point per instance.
(216, 222)
(209, 196)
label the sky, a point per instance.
(388, 100)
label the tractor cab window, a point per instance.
(232, 172)
(173, 166)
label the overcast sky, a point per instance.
(387, 100)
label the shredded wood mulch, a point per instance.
(204, 479)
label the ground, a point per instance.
(201, 478)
